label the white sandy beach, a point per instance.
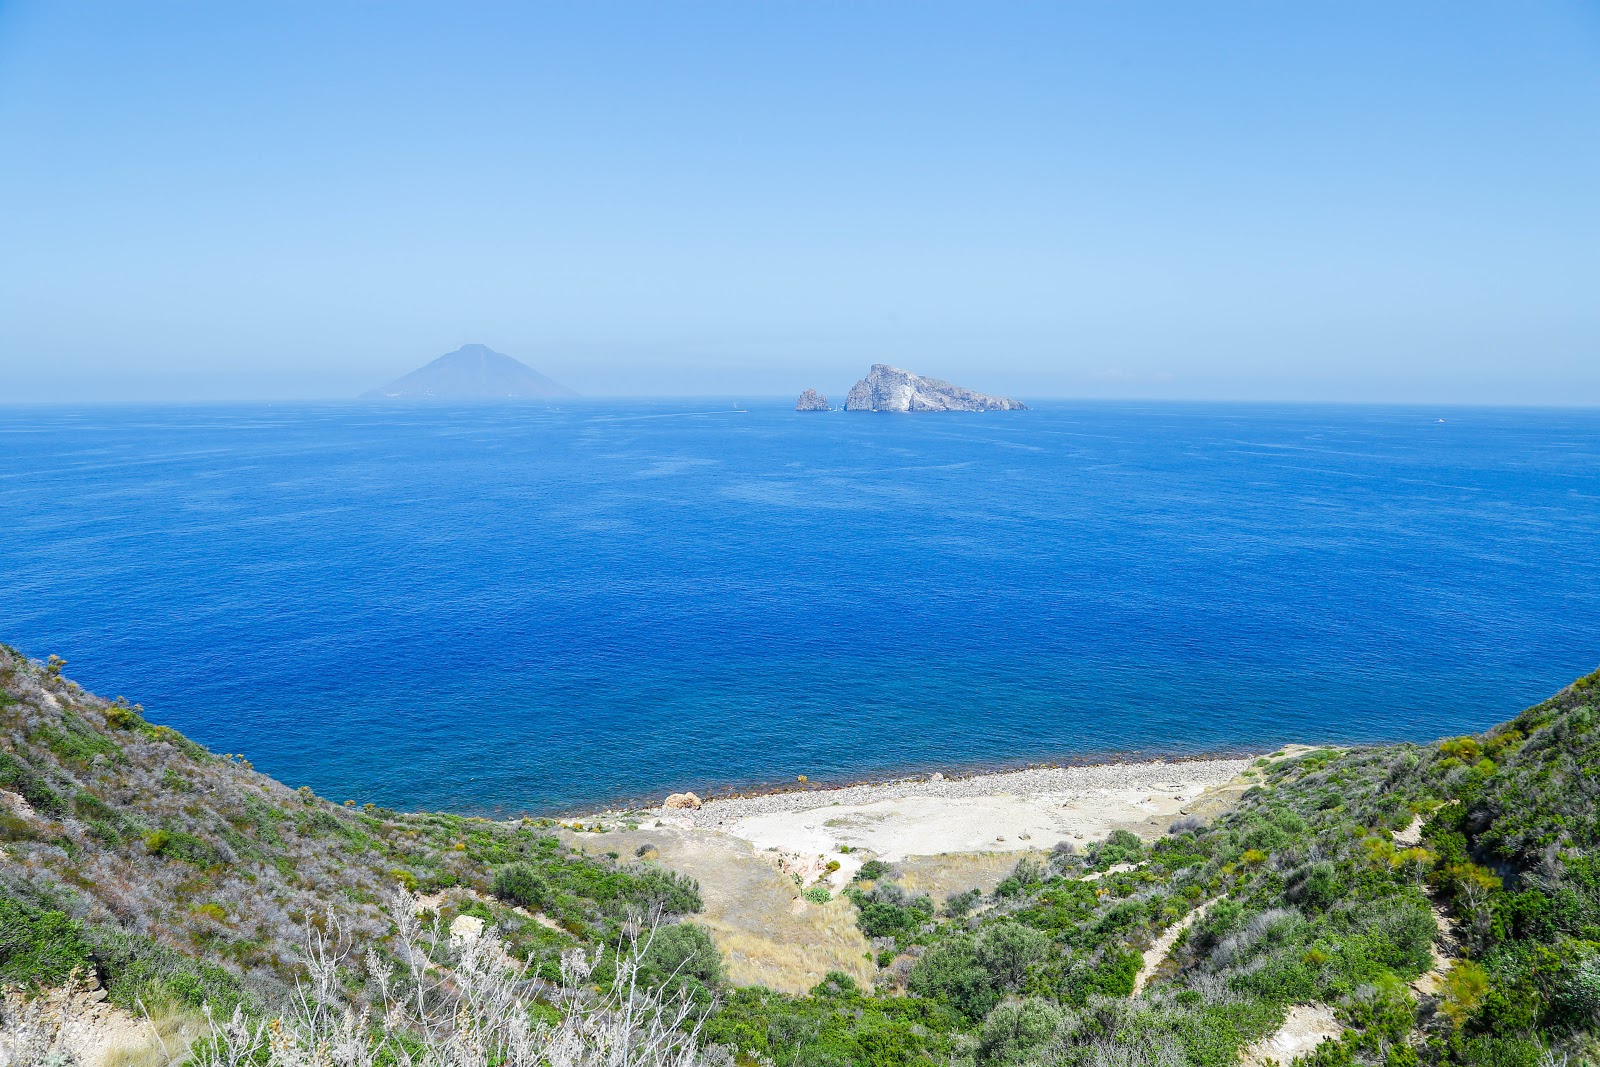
(1006, 812)
(754, 855)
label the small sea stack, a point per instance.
(811, 400)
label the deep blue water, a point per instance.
(512, 609)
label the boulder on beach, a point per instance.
(680, 801)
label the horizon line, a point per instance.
(784, 398)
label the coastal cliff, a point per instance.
(887, 388)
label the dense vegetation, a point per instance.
(1319, 888)
(176, 875)
(1443, 901)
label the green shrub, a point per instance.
(1121, 846)
(142, 975)
(682, 957)
(1017, 1031)
(38, 947)
(1463, 990)
(655, 887)
(950, 973)
(888, 911)
(519, 884)
(77, 743)
(1006, 950)
(959, 904)
(1111, 974)
(24, 780)
(182, 846)
(871, 871)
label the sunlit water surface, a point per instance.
(521, 609)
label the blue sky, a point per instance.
(1299, 201)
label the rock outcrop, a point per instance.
(887, 388)
(682, 802)
(811, 400)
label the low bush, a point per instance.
(888, 911)
(39, 947)
(519, 884)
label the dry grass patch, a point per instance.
(767, 934)
(944, 876)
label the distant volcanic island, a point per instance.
(887, 388)
(472, 372)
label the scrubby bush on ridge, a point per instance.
(190, 876)
(452, 1002)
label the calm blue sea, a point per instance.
(521, 609)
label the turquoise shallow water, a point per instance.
(514, 609)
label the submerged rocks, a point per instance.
(887, 388)
(811, 400)
(683, 801)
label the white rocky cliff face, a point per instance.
(887, 388)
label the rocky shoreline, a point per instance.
(792, 795)
(1030, 781)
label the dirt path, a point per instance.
(1411, 836)
(1307, 1026)
(1156, 954)
(1446, 943)
(76, 1023)
(1428, 984)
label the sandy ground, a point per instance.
(769, 935)
(753, 856)
(76, 1024)
(1307, 1026)
(1015, 811)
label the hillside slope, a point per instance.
(179, 875)
(1388, 905)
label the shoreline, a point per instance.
(1007, 811)
(948, 778)
(771, 867)
(1043, 780)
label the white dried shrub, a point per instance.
(460, 1003)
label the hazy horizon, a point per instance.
(1308, 203)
